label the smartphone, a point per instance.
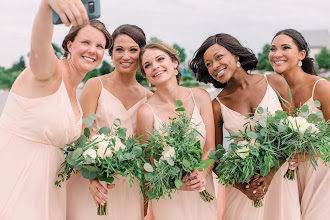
(92, 6)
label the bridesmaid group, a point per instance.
(42, 115)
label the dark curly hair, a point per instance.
(299, 40)
(246, 57)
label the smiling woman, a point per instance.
(112, 96)
(42, 113)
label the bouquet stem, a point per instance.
(206, 196)
(290, 174)
(103, 209)
(258, 203)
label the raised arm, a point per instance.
(42, 58)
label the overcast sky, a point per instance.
(185, 22)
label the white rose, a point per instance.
(314, 129)
(90, 152)
(118, 144)
(243, 151)
(98, 137)
(298, 124)
(103, 152)
(168, 152)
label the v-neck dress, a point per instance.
(185, 204)
(281, 201)
(32, 133)
(124, 203)
(314, 185)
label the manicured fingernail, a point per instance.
(247, 186)
(254, 192)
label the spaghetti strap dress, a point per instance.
(32, 133)
(185, 204)
(314, 185)
(281, 201)
(124, 202)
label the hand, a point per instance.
(193, 182)
(99, 193)
(70, 11)
(298, 159)
(251, 193)
(261, 183)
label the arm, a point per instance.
(321, 93)
(88, 100)
(89, 97)
(43, 61)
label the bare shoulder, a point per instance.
(277, 81)
(322, 89)
(216, 108)
(201, 95)
(144, 112)
(92, 88)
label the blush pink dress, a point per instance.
(32, 133)
(281, 201)
(124, 202)
(314, 185)
(185, 204)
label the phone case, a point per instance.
(92, 6)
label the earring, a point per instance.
(149, 84)
(111, 63)
(68, 56)
(299, 63)
(176, 72)
(238, 64)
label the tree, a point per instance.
(323, 59)
(18, 66)
(263, 61)
(182, 54)
(154, 39)
(106, 68)
(58, 51)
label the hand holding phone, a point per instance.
(92, 7)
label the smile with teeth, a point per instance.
(126, 64)
(219, 73)
(158, 73)
(89, 59)
(279, 62)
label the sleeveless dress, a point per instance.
(32, 133)
(124, 203)
(314, 185)
(185, 204)
(281, 201)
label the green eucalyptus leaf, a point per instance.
(178, 183)
(87, 132)
(181, 109)
(175, 170)
(260, 110)
(104, 130)
(178, 103)
(170, 161)
(148, 167)
(304, 108)
(263, 121)
(88, 121)
(81, 141)
(140, 137)
(281, 128)
(70, 160)
(137, 151)
(91, 168)
(263, 132)
(106, 179)
(149, 176)
(77, 153)
(317, 103)
(186, 163)
(88, 174)
(122, 133)
(212, 154)
(92, 116)
(252, 135)
(312, 117)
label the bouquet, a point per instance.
(102, 156)
(175, 151)
(306, 134)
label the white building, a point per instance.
(316, 40)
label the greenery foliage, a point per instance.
(263, 61)
(323, 59)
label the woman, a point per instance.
(224, 62)
(42, 115)
(288, 56)
(114, 95)
(159, 64)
